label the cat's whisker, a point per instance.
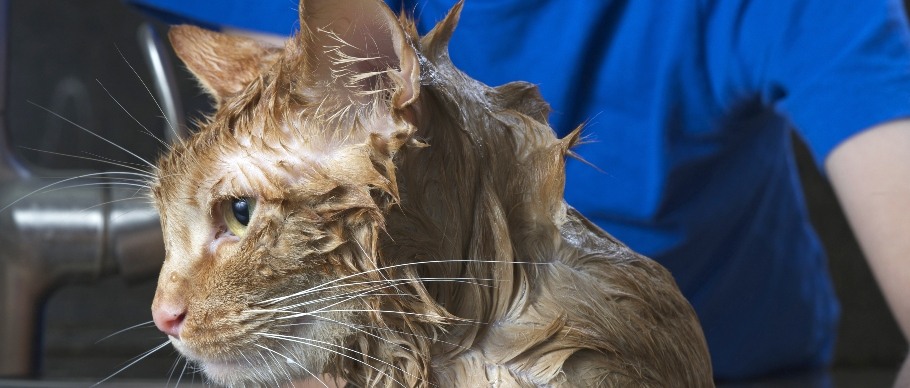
(366, 254)
(96, 158)
(143, 324)
(94, 134)
(97, 175)
(268, 372)
(149, 176)
(355, 296)
(83, 176)
(384, 284)
(314, 343)
(259, 373)
(147, 131)
(323, 285)
(436, 317)
(291, 361)
(250, 363)
(144, 180)
(170, 373)
(274, 372)
(186, 362)
(344, 298)
(308, 341)
(183, 371)
(319, 379)
(133, 362)
(360, 330)
(347, 285)
(110, 184)
(152, 95)
(105, 185)
(102, 158)
(147, 195)
(110, 202)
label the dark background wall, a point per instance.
(59, 53)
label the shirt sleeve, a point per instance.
(837, 67)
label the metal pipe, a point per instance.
(50, 237)
(73, 235)
(45, 238)
(165, 82)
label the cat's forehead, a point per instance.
(280, 133)
(245, 163)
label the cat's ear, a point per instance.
(224, 64)
(361, 44)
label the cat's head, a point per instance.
(282, 191)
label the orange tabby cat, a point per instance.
(356, 206)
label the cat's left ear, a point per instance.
(360, 44)
(224, 64)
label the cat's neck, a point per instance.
(454, 205)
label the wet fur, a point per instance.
(417, 212)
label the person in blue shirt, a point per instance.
(688, 108)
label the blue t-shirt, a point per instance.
(689, 107)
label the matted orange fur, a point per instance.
(358, 207)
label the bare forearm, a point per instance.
(871, 176)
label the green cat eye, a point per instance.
(237, 214)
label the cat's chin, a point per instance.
(227, 374)
(239, 373)
(244, 371)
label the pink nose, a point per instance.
(169, 318)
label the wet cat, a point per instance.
(357, 206)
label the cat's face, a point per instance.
(281, 193)
(238, 236)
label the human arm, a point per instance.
(870, 173)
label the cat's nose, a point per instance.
(169, 317)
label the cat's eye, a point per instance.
(237, 214)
